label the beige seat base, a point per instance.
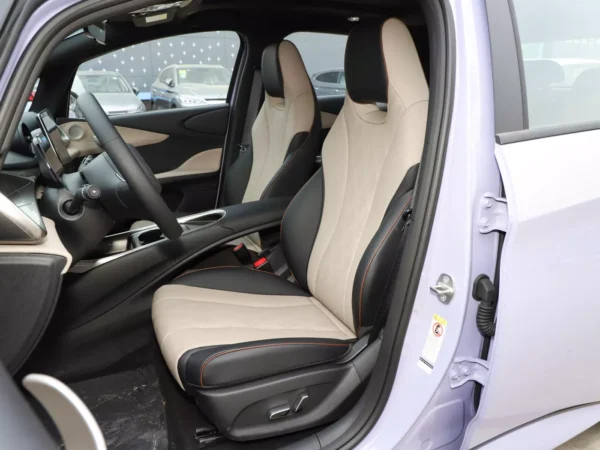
(188, 317)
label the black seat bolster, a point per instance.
(226, 365)
(240, 279)
(374, 272)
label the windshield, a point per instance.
(104, 84)
(204, 75)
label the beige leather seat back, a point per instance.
(365, 157)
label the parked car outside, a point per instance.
(329, 82)
(113, 92)
(185, 85)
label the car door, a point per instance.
(327, 83)
(161, 90)
(183, 146)
(543, 357)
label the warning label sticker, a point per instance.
(433, 343)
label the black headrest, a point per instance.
(271, 71)
(364, 64)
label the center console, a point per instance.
(130, 266)
(122, 244)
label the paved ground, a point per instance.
(588, 440)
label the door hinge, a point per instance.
(493, 214)
(463, 370)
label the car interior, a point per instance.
(217, 276)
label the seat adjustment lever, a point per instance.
(300, 402)
(279, 412)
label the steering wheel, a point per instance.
(131, 165)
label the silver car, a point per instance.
(329, 82)
(113, 92)
(185, 85)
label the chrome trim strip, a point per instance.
(12, 213)
(181, 220)
(89, 264)
(75, 422)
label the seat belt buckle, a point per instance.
(263, 264)
(242, 254)
(243, 147)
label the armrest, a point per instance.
(252, 215)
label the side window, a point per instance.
(328, 77)
(134, 79)
(323, 56)
(561, 61)
(164, 76)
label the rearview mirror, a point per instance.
(136, 91)
(170, 82)
(97, 32)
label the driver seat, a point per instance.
(265, 356)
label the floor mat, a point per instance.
(129, 408)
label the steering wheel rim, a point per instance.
(131, 166)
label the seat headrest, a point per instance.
(271, 71)
(382, 54)
(283, 71)
(364, 64)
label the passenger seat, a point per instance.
(285, 136)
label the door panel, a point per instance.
(188, 161)
(547, 317)
(330, 106)
(190, 131)
(82, 142)
(183, 147)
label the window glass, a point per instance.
(133, 79)
(323, 56)
(561, 60)
(328, 77)
(214, 76)
(103, 83)
(165, 75)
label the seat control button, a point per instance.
(300, 402)
(279, 412)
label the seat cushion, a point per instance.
(256, 323)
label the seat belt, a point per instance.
(253, 107)
(386, 304)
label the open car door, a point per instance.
(543, 362)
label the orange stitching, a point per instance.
(362, 287)
(260, 346)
